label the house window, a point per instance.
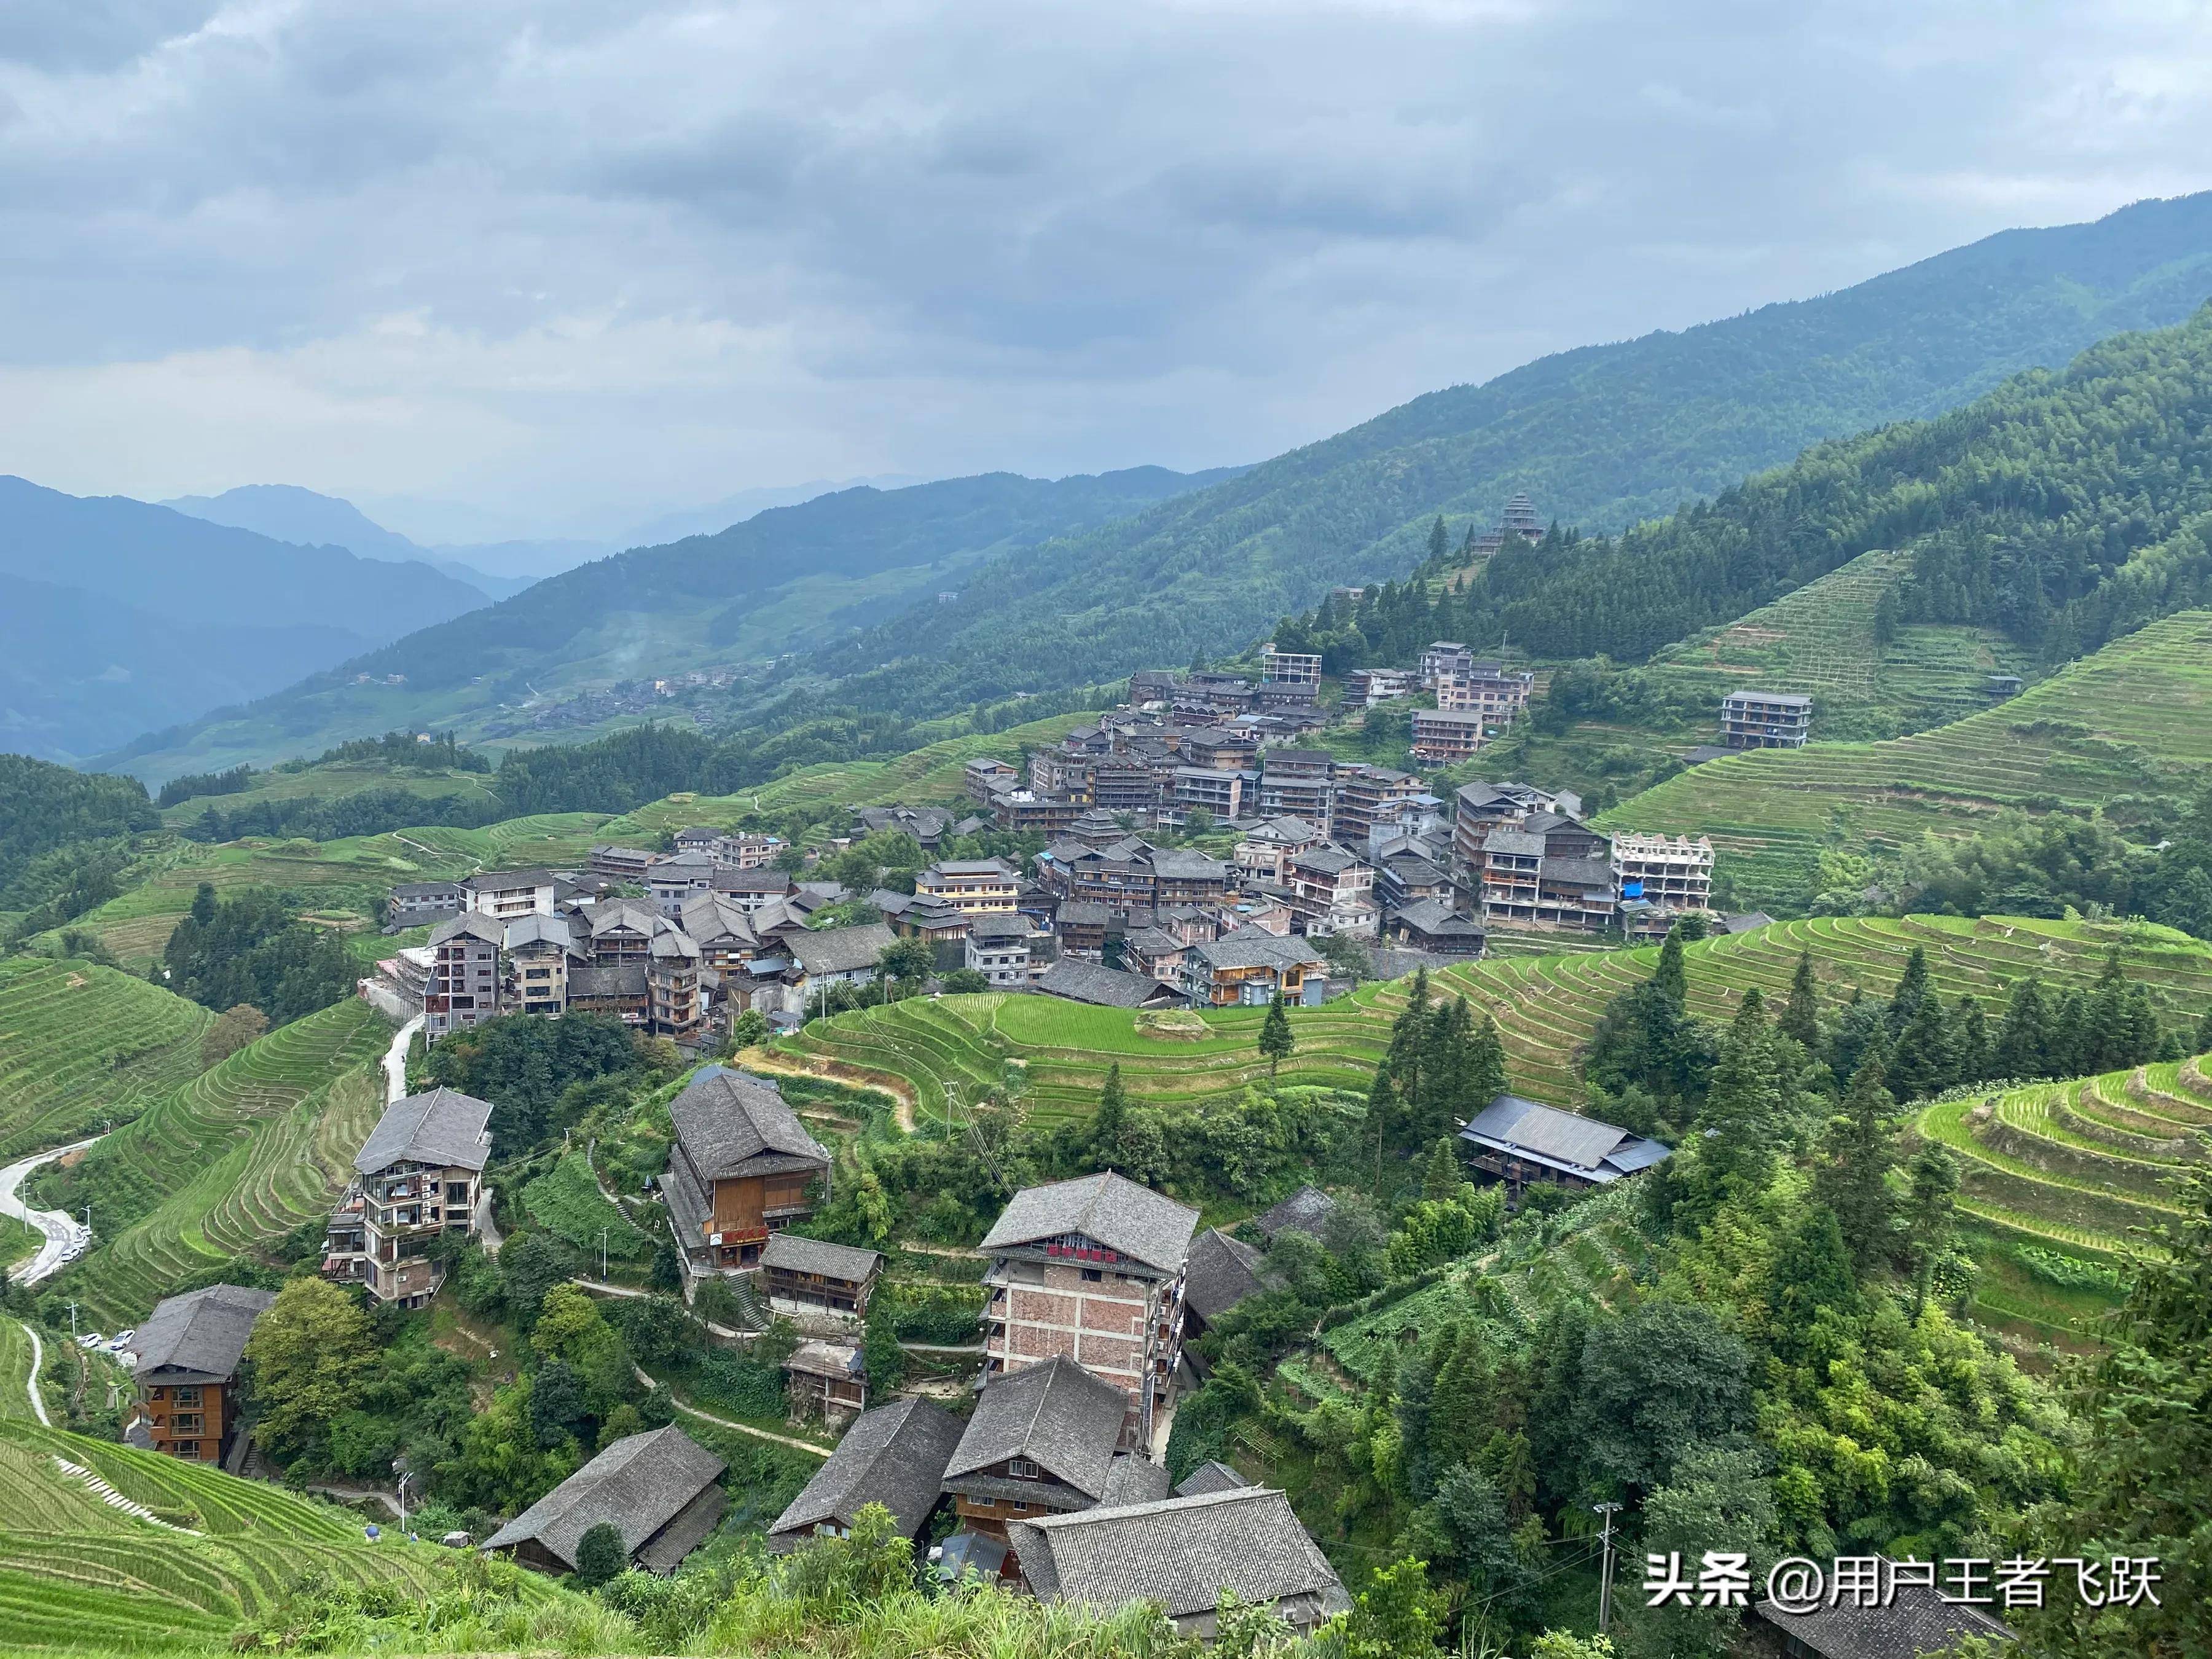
(1022, 1469)
(1092, 1276)
(188, 1396)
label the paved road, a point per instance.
(38, 1365)
(60, 1228)
(395, 1061)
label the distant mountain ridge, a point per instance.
(287, 513)
(1602, 437)
(115, 612)
(785, 577)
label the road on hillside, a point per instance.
(395, 1061)
(61, 1229)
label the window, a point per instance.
(1092, 1276)
(1022, 1469)
(188, 1396)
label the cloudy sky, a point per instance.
(571, 263)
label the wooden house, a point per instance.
(811, 1275)
(659, 1489)
(188, 1354)
(742, 1170)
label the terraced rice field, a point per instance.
(2080, 1164)
(568, 1204)
(76, 1573)
(1545, 1008)
(243, 1153)
(2135, 718)
(79, 1043)
(1820, 639)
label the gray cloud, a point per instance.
(561, 258)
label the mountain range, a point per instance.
(926, 599)
(286, 512)
(116, 614)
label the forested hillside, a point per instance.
(788, 576)
(1602, 437)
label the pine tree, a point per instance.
(2145, 1037)
(1442, 1177)
(1673, 978)
(203, 910)
(1275, 1039)
(1853, 1178)
(1108, 1122)
(1743, 1105)
(1911, 991)
(1812, 1271)
(2068, 1027)
(1928, 1214)
(1382, 1111)
(1438, 544)
(1800, 1014)
(2104, 1039)
(1970, 1043)
(1922, 1064)
(2023, 1045)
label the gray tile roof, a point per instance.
(621, 979)
(1134, 1220)
(1185, 864)
(1182, 1553)
(491, 881)
(815, 1256)
(894, 1455)
(537, 929)
(1221, 1272)
(1561, 1140)
(1256, 947)
(1327, 861)
(1078, 981)
(473, 925)
(1518, 843)
(843, 950)
(999, 926)
(731, 1123)
(442, 1127)
(1134, 1479)
(638, 1484)
(1435, 917)
(1212, 1475)
(1916, 1621)
(710, 919)
(1286, 828)
(1306, 1210)
(200, 1335)
(1058, 1415)
(1581, 872)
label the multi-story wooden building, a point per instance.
(1333, 891)
(188, 1353)
(1442, 736)
(625, 864)
(1250, 967)
(1091, 1270)
(1042, 1440)
(742, 1169)
(1765, 720)
(811, 1276)
(418, 1178)
(537, 956)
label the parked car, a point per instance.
(123, 1339)
(92, 1339)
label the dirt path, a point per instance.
(689, 1410)
(603, 1288)
(901, 1093)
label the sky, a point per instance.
(497, 269)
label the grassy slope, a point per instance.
(79, 1043)
(241, 1154)
(76, 1573)
(2135, 718)
(1545, 1008)
(1820, 639)
(331, 780)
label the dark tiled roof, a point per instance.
(1306, 1210)
(815, 1256)
(894, 1455)
(421, 890)
(1256, 947)
(1221, 1272)
(706, 916)
(1916, 1621)
(621, 979)
(1182, 864)
(1134, 1479)
(1327, 860)
(1134, 1220)
(1212, 1475)
(732, 1124)
(1561, 1140)
(1106, 988)
(473, 925)
(535, 929)
(1056, 1414)
(843, 950)
(1182, 1553)
(442, 1127)
(200, 1334)
(489, 881)
(999, 926)
(1581, 872)
(638, 1484)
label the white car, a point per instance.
(92, 1339)
(122, 1341)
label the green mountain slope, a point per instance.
(787, 577)
(1601, 437)
(2130, 724)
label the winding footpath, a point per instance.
(60, 1228)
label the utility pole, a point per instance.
(72, 1321)
(603, 1253)
(404, 1479)
(1605, 1572)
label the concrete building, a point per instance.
(1333, 891)
(1090, 1271)
(972, 886)
(506, 894)
(462, 988)
(998, 947)
(1765, 720)
(1442, 736)
(1500, 694)
(418, 1178)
